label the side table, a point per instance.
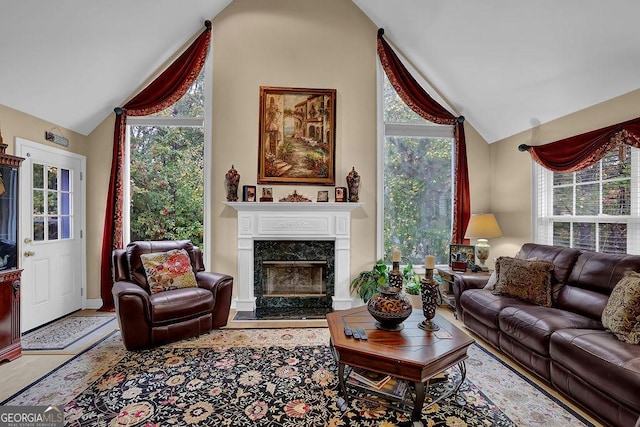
(447, 278)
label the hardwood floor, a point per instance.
(33, 365)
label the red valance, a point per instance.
(163, 92)
(426, 107)
(581, 151)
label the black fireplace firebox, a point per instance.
(293, 279)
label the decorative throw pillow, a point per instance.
(621, 315)
(527, 280)
(493, 279)
(168, 270)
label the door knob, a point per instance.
(29, 253)
(27, 240)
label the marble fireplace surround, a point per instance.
(293, 221)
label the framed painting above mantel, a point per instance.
(297, 136)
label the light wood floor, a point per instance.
(32, 365)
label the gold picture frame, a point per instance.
(297, 136)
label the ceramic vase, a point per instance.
(353, 183)
(231, 179)
(390, 307)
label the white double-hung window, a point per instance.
(596, 208)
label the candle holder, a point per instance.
(431, 299)
(395, 276)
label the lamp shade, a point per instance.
(483, 226)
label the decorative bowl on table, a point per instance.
(390, 307)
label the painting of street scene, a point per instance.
(297, 136)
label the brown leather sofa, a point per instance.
(565, 345)
(146, 319)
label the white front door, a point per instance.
(51, 244)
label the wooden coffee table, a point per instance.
(410, 354)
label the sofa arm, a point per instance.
(463, 282)
(221, 286)
(134, 314)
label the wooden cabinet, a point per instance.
(446, 277)
(10, 347)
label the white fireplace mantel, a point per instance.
(293, 221)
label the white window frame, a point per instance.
(427, 130)
(543, 217)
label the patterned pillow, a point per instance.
(168, 270)
(621, 315)
(493, 279)
(527, 280)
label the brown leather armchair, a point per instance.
(146, 319)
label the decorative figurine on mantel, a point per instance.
(353, 183)
(231, 179)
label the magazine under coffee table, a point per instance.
(411, 354)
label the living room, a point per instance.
(329, 44)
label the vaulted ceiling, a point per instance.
(506, 65)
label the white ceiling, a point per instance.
(506, 65)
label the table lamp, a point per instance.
(482, 227)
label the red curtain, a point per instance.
(163, 92)
(580, 151)
(425, 106)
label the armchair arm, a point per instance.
(221, 286)
(134, 314)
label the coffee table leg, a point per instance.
(343, 385)
(416, 415)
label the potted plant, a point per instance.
(412, 286)
(367, 282)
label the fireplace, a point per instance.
(295, 277)
(310, 223)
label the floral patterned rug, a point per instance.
(275, 377)
(64, 332)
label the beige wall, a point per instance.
(511, 170)
(293, 43)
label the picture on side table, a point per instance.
(297, 136)
(462, 253)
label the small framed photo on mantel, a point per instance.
(248, 193)
(341, 194)
(267, 194)
(323, 196)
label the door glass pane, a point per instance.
(52, 203)
(65, 225)
(65, 203)
(38, 202)
(38, 176)
(38, 228)
(52, 177)
(64, 180)
(53, 228)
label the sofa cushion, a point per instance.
(168, 270)
(485, 306)
(621, 315)
(527, 280)
(180, 304)
(599, 359)
(532, 325)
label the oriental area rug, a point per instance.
(265, 377)
(64, 332)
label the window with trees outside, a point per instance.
(595, 209)
(417, 183)
(166, 171)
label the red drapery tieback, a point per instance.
(426, 107)
(163, 92)
(581, 151)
